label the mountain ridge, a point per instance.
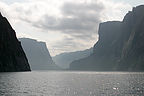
(64, 59)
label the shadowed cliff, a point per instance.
(104, 53)
(132, 55)
(120, 46)
(12, 56)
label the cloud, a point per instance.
(69, 44)
(74, 17)
(77, 21)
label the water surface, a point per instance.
(64, 83)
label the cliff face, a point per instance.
(12, 56)
(120, 46)
(38, 54)
(104, 52)
(132, 55)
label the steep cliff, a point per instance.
(132, 55)
(12, 56)
(120, 45)
(105, 53)
(38, 54)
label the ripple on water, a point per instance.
(71, 84)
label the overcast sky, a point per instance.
(65, 25)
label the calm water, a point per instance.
(54, 83)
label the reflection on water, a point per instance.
(54, 83)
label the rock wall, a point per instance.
(120, 46)
(38, 54)
(12, 56)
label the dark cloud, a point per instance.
(79, 20)
(46, 23)
(75, 17)
(85, 10)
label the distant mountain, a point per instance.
(120, 46)
(12, 56)
(64, 59)
(38, 54)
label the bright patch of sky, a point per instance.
(13, 1)
(134, 3)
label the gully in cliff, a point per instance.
(12, 56)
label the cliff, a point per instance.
(12, 56)
(132, 55)
(120, 46)
(104, 52)
(38, 54)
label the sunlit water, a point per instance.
(59, 83)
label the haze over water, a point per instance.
(66, 83)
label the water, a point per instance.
(62, 83)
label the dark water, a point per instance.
(54, 83)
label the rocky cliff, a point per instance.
(12, 56)
(120, 46)
(132, 54)
(38, 54)
(104, 52)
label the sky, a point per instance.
(65, 25)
